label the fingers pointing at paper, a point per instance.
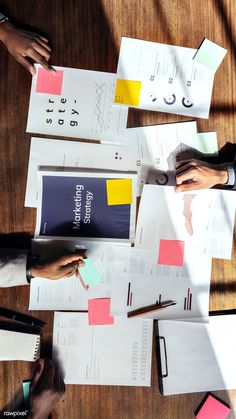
(23, 44)
(64, 266)
(196, 174)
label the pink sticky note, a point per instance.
(171, 252)
(49, 82)
(99, 311)
(213, 409)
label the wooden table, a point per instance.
(86, 34)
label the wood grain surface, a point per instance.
(86, 34)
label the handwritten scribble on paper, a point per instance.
(98, 110)
(187, 212)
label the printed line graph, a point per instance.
(100, 90)
(187, 213)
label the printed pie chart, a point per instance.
(187, 102)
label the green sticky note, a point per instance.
(205, 142)
(26, 393)
(89, 273)
(210, 54)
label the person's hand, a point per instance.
(196, 174)
(46, 389)
(22, 44)
(64, 266)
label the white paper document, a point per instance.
(164, 142)
(202, 220)
(118, 354)
(158, 147)
(74, 155)
(199, 357)
(163, 78)
(70, 293)
(138, 281)
(75, 103)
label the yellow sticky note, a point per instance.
(119, 191)
(128, 92)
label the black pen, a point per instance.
(24, 318)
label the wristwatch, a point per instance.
(3, 18)
(29, 261)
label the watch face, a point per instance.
(162, 179)
(2, 17)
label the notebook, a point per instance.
(95, 205)
(19, 346)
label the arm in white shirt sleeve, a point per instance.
(13, 267)
(231, 174)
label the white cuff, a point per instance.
(13, 267)
(231, 174)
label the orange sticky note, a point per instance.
(49, 82)
(119, 191)
(127, 92)
(171, 252)
(99, 311)
(213, 408)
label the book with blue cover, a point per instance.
(82, 204)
